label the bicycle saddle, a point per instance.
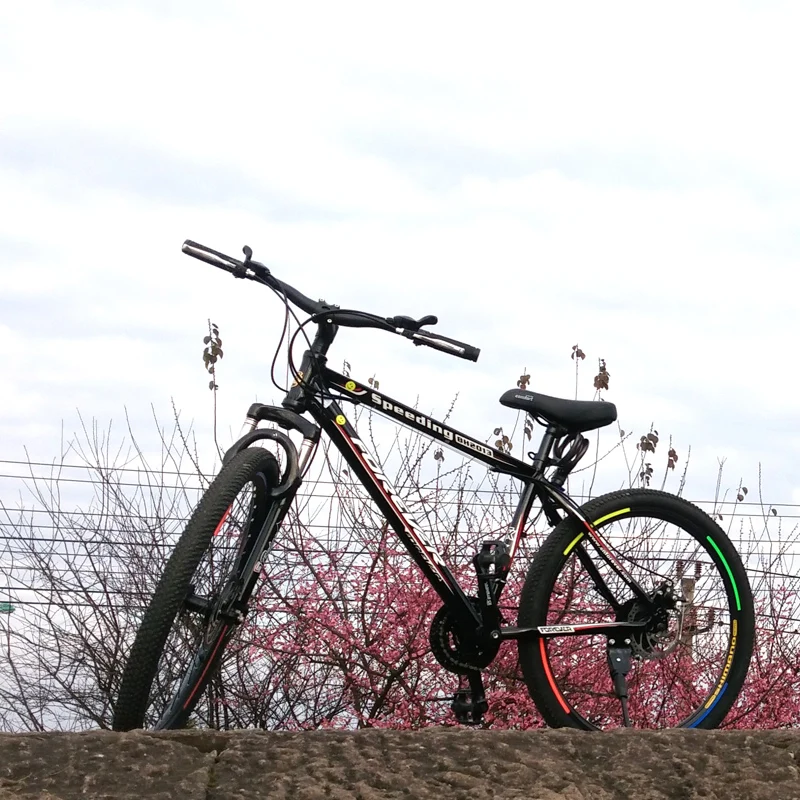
(574, 415)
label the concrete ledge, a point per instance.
(433, 763)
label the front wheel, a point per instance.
(688, 662)
(183, 634)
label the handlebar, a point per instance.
(402, 325)
(254, 271)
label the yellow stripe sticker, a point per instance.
(573, 543)
(611, 516)
(595, 524)
(727, 668)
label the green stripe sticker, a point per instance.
(730, 574)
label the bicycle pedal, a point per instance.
(466, 710)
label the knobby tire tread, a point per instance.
(142, 663)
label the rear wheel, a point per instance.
(690, 659)
(184, 631)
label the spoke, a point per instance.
(597, 579)
(677, 665)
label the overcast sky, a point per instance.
(624, 176)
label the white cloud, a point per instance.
(619, 176)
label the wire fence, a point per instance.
(82, 545)
(114, 513)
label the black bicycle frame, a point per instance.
(314, 387)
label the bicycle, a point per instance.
(599, 586)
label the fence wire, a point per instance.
(77, 543)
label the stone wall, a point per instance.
(435, 763)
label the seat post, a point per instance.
(542, 455)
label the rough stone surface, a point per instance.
(436, 763)
(102, 764)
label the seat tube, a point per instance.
(514, 534)
(545, 446)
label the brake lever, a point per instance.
(409, 324)
(240, 271)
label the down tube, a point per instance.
(366, 467)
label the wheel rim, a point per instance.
(679, 674)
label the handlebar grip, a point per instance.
(471, 353)
(446, 345)
(213, 257)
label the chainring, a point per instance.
(453, 654)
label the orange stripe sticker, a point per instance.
(550, 680)
(222, 521)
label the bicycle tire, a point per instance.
(553, 580)
(252, 465)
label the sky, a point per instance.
(622, 176)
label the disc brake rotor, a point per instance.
(652, 641)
